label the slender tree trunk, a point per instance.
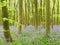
(57, 12)
(40, 11)
(48, 18)
(53, 12)
(6, 24)
(36, 15)
(0, 16)
(32, 11)
(43, 13)
(20, 16)
(25, 13)
(28, 19)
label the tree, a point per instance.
(26, 13)
(48, 18)
(6, 23)
(28, 19)
(32, 6)
(57, 11)
(53, 11)
(35, 15)
(40, 11)
(20, 16)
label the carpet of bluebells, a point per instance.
(30, 36)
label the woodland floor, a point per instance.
(41, 29)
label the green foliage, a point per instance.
(33, 38)
(3, 3)
(13, 7)
(11, 21)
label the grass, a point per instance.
(33, 37)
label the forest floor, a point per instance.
(29, 28)
(29, 31)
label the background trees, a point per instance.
(30, 12)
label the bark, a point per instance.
(40, 11)
(20, 16)
(28, 19)
(6, 24)
(57, 12)
(48, 18)
(53, 12)
(36, 15)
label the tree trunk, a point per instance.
(28, 19)
(48, 18)
(20, 16)
(6, 24)
(57, 12)
(53, 12)
(40, 11)
(35, 15)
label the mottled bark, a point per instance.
(53, 12)
(36, 15)
(40, 11)
(6, 24)
(48, 18)
(57, 12)
(20, 16)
